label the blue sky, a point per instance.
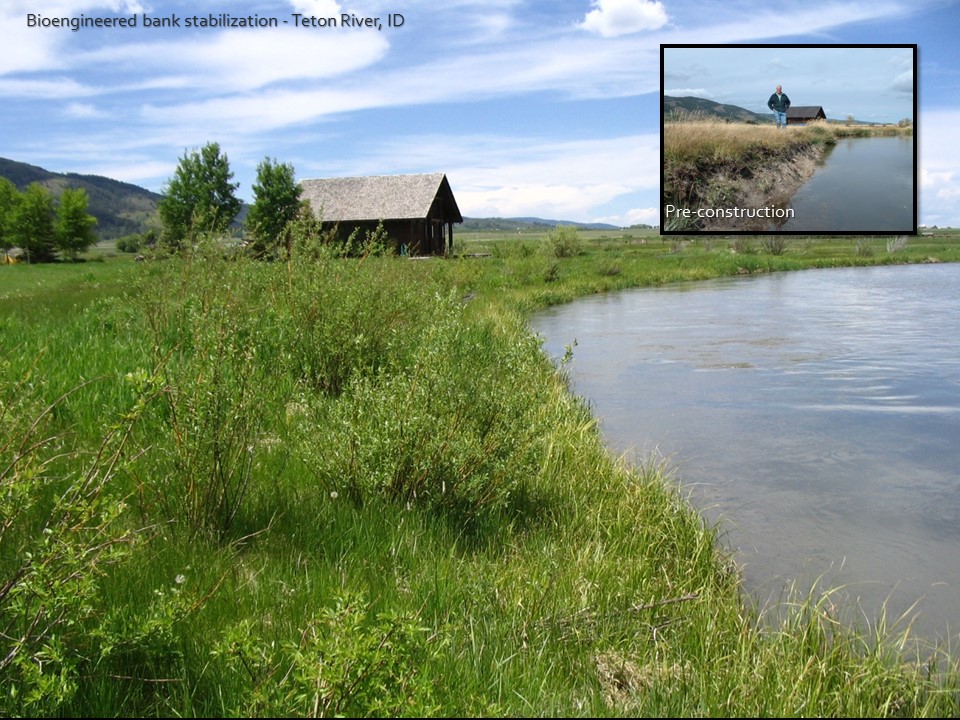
(874, 84)
(530, 107)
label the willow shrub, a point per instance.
(455, 430)
(62, 525)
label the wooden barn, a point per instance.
(417, 211)
(800, 114)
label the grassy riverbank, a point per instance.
(713, 164)
(357, 487)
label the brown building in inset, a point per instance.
(800, 114)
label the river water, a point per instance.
(860, 185)
(814, 415)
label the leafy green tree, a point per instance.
(32, 225)
(9, 201)
(199, 197)
(74, 226)
(276, 203)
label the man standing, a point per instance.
(779, 103)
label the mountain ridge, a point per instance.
(679, 106)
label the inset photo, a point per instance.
(793, 139)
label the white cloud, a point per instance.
(572, 68)
(939, 168)
(30, 49)
(52, 88)
(83, 111)
(633, 216)
(233, 61)
(803, 19)
(316, 8)
(253, 113)
(135, 170)
(684, 92)
(611, 18)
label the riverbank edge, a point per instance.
(741, 264)
(757, 179)
(759, 263)
(766, 186)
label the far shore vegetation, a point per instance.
(351, 484)
(709, 162)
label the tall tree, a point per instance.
(31, 225)
(9, 201)
(74, 226)
(276, 202)
(199, 197)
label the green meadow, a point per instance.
(336, 486)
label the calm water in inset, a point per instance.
(815, 415)
(863, 184)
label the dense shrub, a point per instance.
(564, 242)
(450, 431)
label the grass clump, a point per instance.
(348, 661)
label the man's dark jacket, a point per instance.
(780, 105)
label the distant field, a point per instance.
(35, 290)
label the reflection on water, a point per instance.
(816, 415)
(863, 184)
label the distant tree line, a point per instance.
(135, 242)
(42, 227)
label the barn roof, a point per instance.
(380, 197)
(804, 111)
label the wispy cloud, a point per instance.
(83, 111)
(682, 92)
(51, 88)
(903, 83)
(238, 61)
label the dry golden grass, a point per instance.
(718, 141)
(715, 141)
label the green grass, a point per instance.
(357, 487)
(34, 291)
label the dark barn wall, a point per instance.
(806, 118)
(420, 237)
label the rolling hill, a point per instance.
(676, 106)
